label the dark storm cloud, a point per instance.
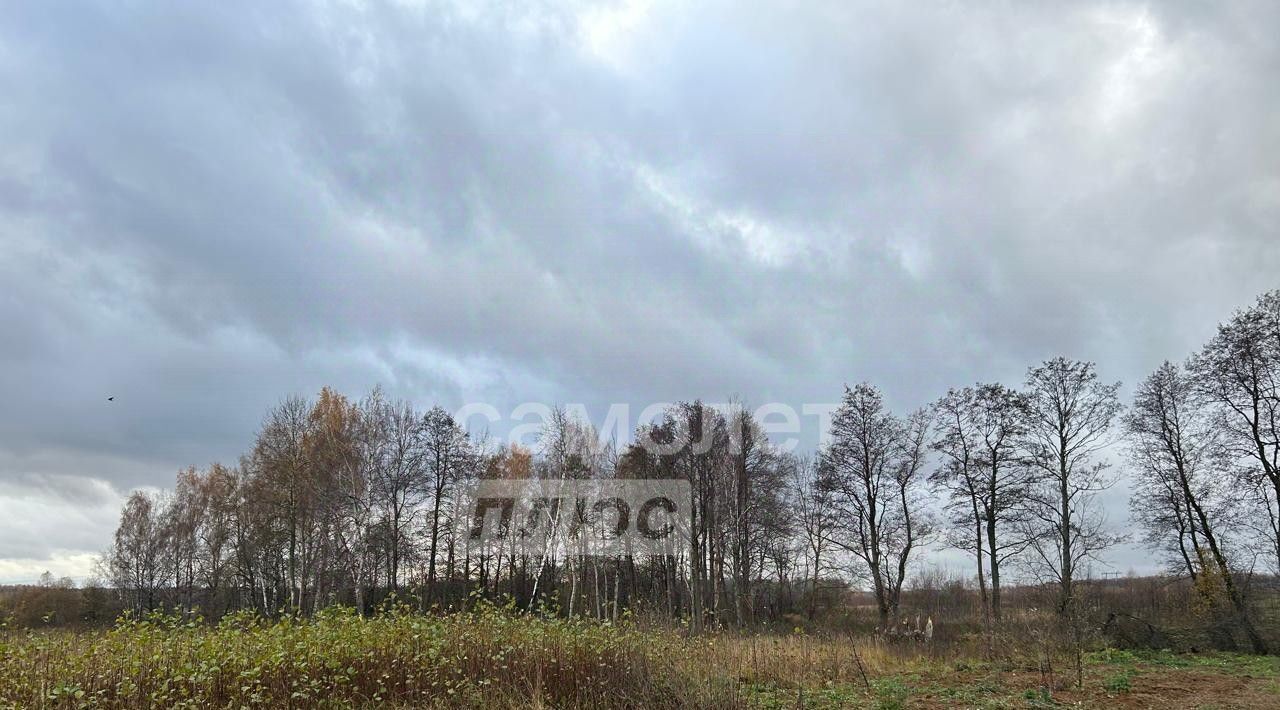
(205, 208)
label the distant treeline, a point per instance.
(349, 501)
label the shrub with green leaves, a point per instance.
(1119, 683)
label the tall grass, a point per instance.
(485, 658)
(494, 657)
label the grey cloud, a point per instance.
(206, 208)
(43, 517)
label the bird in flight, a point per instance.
(111, 399)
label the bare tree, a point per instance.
(1238, 374)
(278, 467)
(216, 491)
(755, 468)
(957, 441)
(180, 527)
(398, 477)
(815, 513)
(979, 431)
(911, 491)
(1071, 424)
(138, 560)
(701, 436)
(873, 466)
(1072, 413)
(447, 455)
(1171, 447)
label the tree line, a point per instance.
(346, 501)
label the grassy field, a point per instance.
(491, 658)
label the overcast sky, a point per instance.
(204, 209)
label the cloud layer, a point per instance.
(203, 209)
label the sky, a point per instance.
(207, 207)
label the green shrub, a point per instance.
(1118, 683)
(891, 693)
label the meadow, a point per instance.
(493, 657)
